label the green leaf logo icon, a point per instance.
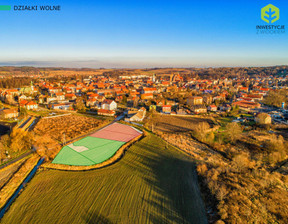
(270, 13)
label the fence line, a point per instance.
(56, 116)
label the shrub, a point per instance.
(202, 169)
(233, 131)
(201, 130)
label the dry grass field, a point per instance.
(152, 183)
(16, 179)
(72, 125)
(7, 172)
(172, 124)
(241, 180)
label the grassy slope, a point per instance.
(150, 184)
(7, 172)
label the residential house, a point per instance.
(13, 92)
(199, 109)
(105, 112)
(194, 100)
(212, 108)
(149, 90)
(9, 113)
(29, 105)
(166, 109)
(23, 97)
(62, 106)
(244, 89)
(138, 116)
(92, 102)
(109, 105)
(255, 97)
(50, 99)
(70, 96)
(41, 99)
(60, 96)
(225, 107)
(207, 99)
(146, 96)
(246, 105)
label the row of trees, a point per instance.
(231, 134)
(276, 98)
(17, 141)
(18, 82)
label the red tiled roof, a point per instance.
(10, 111)
(31, 103)
(106, 111)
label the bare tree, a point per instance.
(233, 131)
(201, 130)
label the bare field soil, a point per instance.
(172, 124)
(72, 125)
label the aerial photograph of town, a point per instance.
(144, 111)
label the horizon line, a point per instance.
(34, 65)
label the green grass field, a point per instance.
(150, 184)
(98, 151)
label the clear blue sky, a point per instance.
(147, 33)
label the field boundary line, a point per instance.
(115, 158)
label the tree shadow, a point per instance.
(170, 128)
(96, 218)
(174, 179)
(253, 148)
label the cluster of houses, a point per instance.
(139, 93)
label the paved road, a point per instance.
(16, 159)
(120, 117)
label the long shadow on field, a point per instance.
(96, 218)
(180, 124)
(170, 128)
(177, 197)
